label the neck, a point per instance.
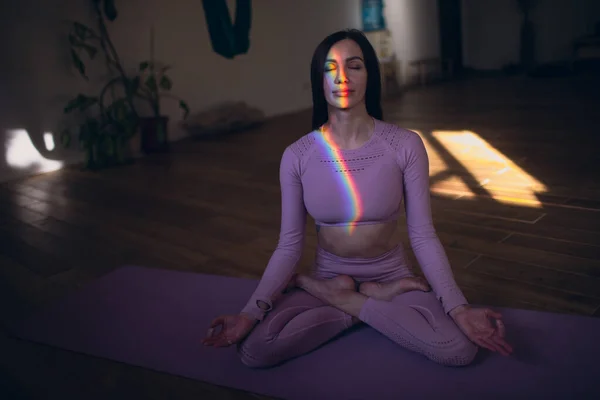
(349, 125)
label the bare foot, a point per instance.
(330, 291)
(387, 291)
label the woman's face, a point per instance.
(345, 77)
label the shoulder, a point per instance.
(302, 147)
(296, 153)
(396, 137)
(407, 145)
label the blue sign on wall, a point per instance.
(372, 15)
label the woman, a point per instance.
(352, 174)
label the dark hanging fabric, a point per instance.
(228, 38)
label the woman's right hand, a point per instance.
(233, 328)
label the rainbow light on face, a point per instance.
(332, 78)
(353, 201)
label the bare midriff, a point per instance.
(362, 241)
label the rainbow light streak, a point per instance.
(332, 70)
(354, 206)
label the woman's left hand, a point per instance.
(476, 323)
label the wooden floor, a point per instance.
(516, 204)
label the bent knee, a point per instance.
(253, 359)
(255, 352)
(459, 352)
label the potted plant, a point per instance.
(154, 84)
(103, 131)
(103, 122)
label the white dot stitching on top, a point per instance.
(391, 134)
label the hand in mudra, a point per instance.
(233, 328)
(476, 323)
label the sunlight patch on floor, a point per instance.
(451, 185)
(499, 176)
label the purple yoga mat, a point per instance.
(156, 318)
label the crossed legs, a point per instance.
(298, 323)
(306, 318)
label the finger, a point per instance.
(495, 346)
(493, 314)
(508, 350)
(481, 343)
(500, 328)
(214, 332)
(210, 341)
(224, 342)
(490, 345)
(213, 340)
(217, 321)
(503, 344)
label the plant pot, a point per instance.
(108, 152)
(154, 136)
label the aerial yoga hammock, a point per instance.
(228, 38)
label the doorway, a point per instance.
(450, 23)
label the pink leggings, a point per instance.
(300, 323)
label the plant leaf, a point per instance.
(144, 65)
(81, 103)
(110, 10)
(91, 50)
(186, 109)
(80, 44)
(82, 31)
(78, 63)
(165, 83)
(151, 83)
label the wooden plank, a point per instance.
(507, 291)
(556, 280)
(134, 231)
(490, 208)
(556, 246)
(572, 219)
(505, 251)
(33, 251)
(523, 228)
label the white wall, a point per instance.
(491, 30)
(414, 29)
(37, 80)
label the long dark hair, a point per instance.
(317, 69)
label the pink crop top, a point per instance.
(360, 186)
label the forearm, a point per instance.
(436, 268)
(424, 240)
(277, 275)
(284, 260)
